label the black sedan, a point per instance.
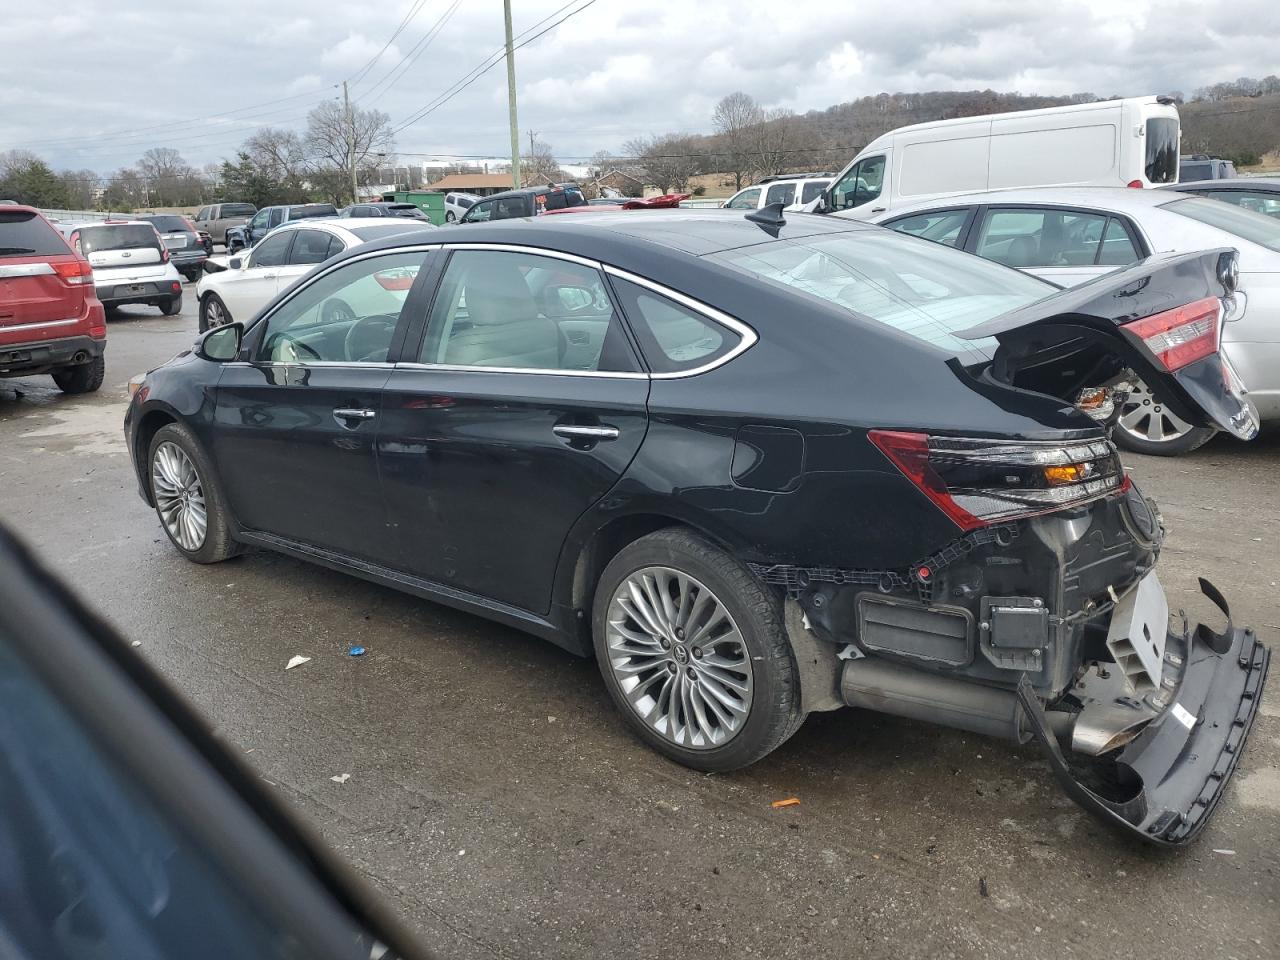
(755, 468)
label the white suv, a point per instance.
(793, 190)
(130, 263)
(457, 204)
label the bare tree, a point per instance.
(735, 118)
(281, 156)
(539, 165)
(336, 141)
(668, 161)
(82, 188)
(170, 179)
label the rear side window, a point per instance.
(556, 200)
(1162, 150)
(784, 193)
(812, 190)
(238, 210)
(313, 210)
(1258, 202)
(940, 226)
(168, 224)
(1243, 223)
(25, 234)
(309, 246)
(122, 237)
(674, 338)
(1117, 248)
(1041, 238)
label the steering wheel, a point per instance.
(288, 350)
(369, 338)
(335, 309)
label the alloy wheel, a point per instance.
(215, 314)
(1143, 416)
(679, 658)
(179, 496)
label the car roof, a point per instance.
(620, 236)
(527, 191)
(1110, 198)
(1266, 184)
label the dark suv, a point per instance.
(51, 320)
(525, 202)
(187, 251)
(268, 218)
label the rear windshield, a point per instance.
(238, 210)
(25, 234)
(169, 224)
(406, 210)
(1257, 227)
(1162, 150)
(918, 287)
(313, 210)
(391, 227)
(126, 236)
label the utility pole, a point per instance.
(351, 151)
(511, 100)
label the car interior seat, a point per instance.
(505, 328)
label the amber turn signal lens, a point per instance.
(1070, 473)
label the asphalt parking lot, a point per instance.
(497, 801)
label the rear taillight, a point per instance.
(977, 482)
(78, 271)
(1182, 335)
(1135, 184)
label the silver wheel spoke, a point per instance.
(1146, 418)
(678, 658)
(179, 496)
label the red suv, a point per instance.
(51, 320)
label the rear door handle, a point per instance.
(574, 431)
(354, 413)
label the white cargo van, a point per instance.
(1131, 142)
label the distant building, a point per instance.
(481, 184)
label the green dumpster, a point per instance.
(430, 202)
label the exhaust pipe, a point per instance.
(82, 356)
(903, 692)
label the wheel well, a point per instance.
(150, 423)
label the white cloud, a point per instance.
(355, 51)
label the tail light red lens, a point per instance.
(1183, 335)
(1135, 184)
(78, 271)
(977, 482)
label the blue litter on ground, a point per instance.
(356, 652)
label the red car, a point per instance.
(51, 320)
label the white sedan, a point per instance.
(248, 281)
(1070, 236)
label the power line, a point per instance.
(410, 58)
(363, 71)
(488, 64)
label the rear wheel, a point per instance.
(213, 312)
(186, 495)
(450, 216)
(172, 306)
(694, 653)
(85, 378)
(1148, 426)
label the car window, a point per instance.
(812, 190)
(348, 315)
(509, 207)
(167, 223)
(1257, 201)
(463, 202)
(1041, 238)
(260, 219)
(1161, 162)
(746, 200)
(1117, 246)
(24, 234)
(336, 246)
(555, 200)
(238, 210)
(1244, 223)
(125, 236)
(479, 212)
(922, 289)
(784, 193)
(524, 311)
(203, 214)
(673, 337)
(273, 251)
(276, 217)
(940, 226)
(860, 185)
(309, 246)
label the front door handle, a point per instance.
(354, 413)
(878, 209)
(575, 431)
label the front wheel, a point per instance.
(694, 652)
(1146, 425)
(187, 498)
(213, 312)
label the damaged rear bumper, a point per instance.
(1171, 776)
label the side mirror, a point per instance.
(221, 344)
(212, 267)
(235, 263)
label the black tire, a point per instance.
(1194, 439)
(172, 306)
(83, 378)
(218, 544)
(774, 712)
(450, 216)
(207, 306)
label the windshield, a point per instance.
(169, 224)
(915, 286)
(126, 236)
(313, 210)
(1162, 150)
(1257, 227)
(23, 234)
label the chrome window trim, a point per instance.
(532, 251)
(545, 371)
(352, 364)
(38, 325)
(747, 337)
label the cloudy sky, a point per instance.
(96, 85)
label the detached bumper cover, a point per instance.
(1176, 769)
